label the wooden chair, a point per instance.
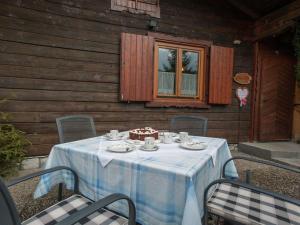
(75, 127)
(195, 125)
(247, 204)
(76, 209)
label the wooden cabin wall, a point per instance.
(61, 57)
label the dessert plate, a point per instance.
(143, 148)
(195, 145)
(120, 148)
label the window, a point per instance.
(165, 71)
(150, 7)
(179, 72)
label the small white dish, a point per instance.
(143, 148)
(194, 145)
(120, 148)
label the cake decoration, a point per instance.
(142, 133)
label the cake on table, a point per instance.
(142, 133)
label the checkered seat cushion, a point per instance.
(250, 207)
(67, 207)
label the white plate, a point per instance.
(118, 138)
(196, 146)
(120, 148)
(138, 142)
(155, 148)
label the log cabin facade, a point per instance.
(100, 58)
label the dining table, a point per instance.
(167, 185)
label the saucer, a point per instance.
(195, 146)
(110, 138)
(120, 148)
(155, 148)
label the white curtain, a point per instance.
(189, 84)
(166, 82)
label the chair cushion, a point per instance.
(67, 207)
(250, 207)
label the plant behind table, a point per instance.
(12, 145)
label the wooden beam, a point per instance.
(277, 21)
(243, 8)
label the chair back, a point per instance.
(75, 127)
(8, 211)
(194, 125)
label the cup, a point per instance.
(149, 142)
(114, 134)
(168, 139)
(183, 136)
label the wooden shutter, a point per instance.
(221, 71)
(136, 81)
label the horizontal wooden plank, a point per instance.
(42, 84)
(62, 95)
(34, 61)
(39, 150)
(57, 53)
(46, 106)
(56, 74)
(43, 128)
(38, 27)
(48, 117)
(54, 41)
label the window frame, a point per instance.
(177, 100)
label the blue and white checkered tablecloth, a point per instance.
(167, 186)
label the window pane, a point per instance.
(190, 65)
(167, 59)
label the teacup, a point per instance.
(183, 136)
(114, 134)
(149, 142)
(168, 139)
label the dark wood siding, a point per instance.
(60, 57)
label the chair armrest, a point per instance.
(40, 173)
(281, 166)
(98, 205)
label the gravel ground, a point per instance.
(264, 176)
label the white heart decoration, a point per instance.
(242, 94)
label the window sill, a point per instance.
(187, 104)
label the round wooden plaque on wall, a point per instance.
(242, 78)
